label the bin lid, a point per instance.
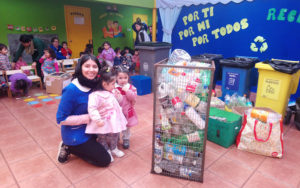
(245, 63)
(152, 45)
(208, 56)
(265, 66)
(284, 66)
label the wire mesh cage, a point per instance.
(181, 109)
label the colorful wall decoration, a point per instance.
(257, 29)
(47, 17)
(113, 29)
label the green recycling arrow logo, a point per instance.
(263, 44)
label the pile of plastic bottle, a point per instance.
(236, 100)
(182, 95)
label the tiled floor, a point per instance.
(28, 146)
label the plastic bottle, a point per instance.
(192, 161)
(175, 149)
(165, 124)
(158, 152)
(192, 100)
(243, 101)
(204, 94)
(169, 166)
(202, 106)
(248, 103)
(227, 99)
(192, 139)
(176, 101)
(176, 129)
(163, 97)
(193, 85)
(195, 117)
(190, 172)
(183, 171)
(177, 159)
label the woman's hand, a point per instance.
(100, 123)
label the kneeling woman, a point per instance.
(73, 115)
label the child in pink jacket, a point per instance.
(129, 94)
(107, 118)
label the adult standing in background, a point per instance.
(57, 49)
(32, 46)
(137, 27)
(142, 35)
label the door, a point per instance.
(78, 27)
(144, 19)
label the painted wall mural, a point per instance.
(112, 29)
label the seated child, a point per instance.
(67, 52)
(4, 63)
(99, 57)
(136, 60)
(21, 63)
(19, 84)
(117, 60)
(124, 61)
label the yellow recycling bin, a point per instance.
(274, 87)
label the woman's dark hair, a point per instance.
(78, 71)
(117, 49)
(64, 42)
(107, 74)
(106, 42)
(83, 53)
(26, 38)
(2, 46)
(53, 39)
(51, 52)
(122, 69)
(22, 85)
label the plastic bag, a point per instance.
(284, 66)
(238, 62)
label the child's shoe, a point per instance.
(125, 144)
(117, 152)
(111, 157)
(63, 153)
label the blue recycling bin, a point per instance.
(254, 71)
(142, 84)
(236, 75)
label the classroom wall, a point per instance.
(48, 13)
(259, 28)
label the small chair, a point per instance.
(60, 65)
(66, 65)
(33, 77)
(2, 73)
(7, 74)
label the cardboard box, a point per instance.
(55, 82)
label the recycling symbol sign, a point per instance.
(259, 44)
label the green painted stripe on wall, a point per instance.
(136, 3)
